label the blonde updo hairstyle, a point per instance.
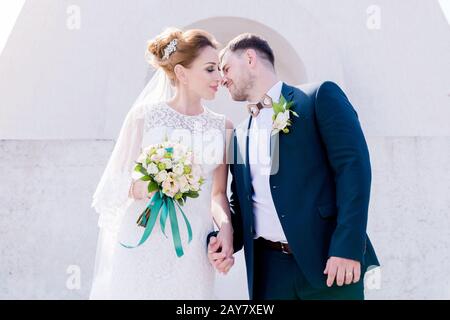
(190, 43)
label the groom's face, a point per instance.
(236, 75)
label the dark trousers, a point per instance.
(277, 276)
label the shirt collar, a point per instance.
(275, 91)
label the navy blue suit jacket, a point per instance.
(320, 186)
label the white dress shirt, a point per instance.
(267, 223)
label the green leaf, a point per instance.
(145, 178)
(277, 108)
(139, 168)
(192, 194)
(290, 104)
(152, 186)
(178, 196)
(280, 105)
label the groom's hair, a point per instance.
(250, 41)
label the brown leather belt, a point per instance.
(279, 246)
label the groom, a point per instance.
(302, 215)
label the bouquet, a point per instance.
(172, 177)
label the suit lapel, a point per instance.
(288, 94)
(244, 150)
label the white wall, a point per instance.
(64, 93)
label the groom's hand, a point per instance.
(217, 257)
(343, 270)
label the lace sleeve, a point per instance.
(111, 196)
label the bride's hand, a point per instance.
(139, 190)
(223, 260)
(225, 238)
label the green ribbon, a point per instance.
(165, 205)
(188, 225)
(163, 218)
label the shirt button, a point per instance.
(274, 187)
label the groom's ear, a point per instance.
(250, 56)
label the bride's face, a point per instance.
(203, 76)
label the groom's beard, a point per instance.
(241, 91)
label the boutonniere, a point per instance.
(281, 116)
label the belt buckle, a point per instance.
(283, 248)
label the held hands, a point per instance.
(343, 270)
(220, 250)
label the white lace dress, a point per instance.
(153, 270)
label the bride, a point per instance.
(187, 64)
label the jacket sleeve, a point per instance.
(348, 156)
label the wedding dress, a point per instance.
(153, 270)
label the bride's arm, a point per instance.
(219, 201)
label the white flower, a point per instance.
(170, 186)
(178, 169)
(161, 176)
(152, 168)
(167, 162)
(195, 186)
(184, 189)
(281, 120)
(183, 184)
